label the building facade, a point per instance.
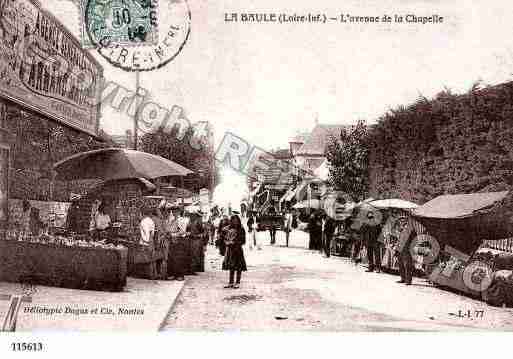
(49, 102)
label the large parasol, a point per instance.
(313, 204)
(393, 203)
(117, 163)
(365, 213)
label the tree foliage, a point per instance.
(348, 158)
(188, 150)
(449, 144)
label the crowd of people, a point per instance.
(228, 233)
(380, 241)
(162, 225)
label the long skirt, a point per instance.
(315, 239)
(234, 259)
(180, 259)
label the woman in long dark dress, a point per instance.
(315, 230)
(234, 259)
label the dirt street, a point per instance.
(294, 289)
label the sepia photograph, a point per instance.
(216, 167)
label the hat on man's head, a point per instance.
(170, 205)
(196, 213)
(147, 209)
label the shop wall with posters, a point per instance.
(44, 68)
(48, 111)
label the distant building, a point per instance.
(297, 141)
(272, 169)
(310, 155)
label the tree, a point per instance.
(348, 159)
(187, 150)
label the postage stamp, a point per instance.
(114, 26)
(122, 22)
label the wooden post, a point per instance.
(11, 317)
(4, 172)
(136, 116)
(2, 120)
(183, 193)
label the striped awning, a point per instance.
(301, 192)
(288, 196)
(253, 193)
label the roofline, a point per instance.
(310, 154)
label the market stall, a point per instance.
(59, 261)
(396, 212)
(335, 205)
(461, 224)
(126, 192)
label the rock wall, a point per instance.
(451, 144)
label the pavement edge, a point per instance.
(171, 307)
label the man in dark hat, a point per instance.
(272, 226)
(405, 261)
(195, 225)
(329, 227)
(370, 234)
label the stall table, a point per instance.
(76, 267)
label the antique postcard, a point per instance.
(285, 166)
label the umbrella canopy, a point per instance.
(117, 163)
(323, 171)
(313, 203)
(193, 208)
(144, 184)
(393, 203)
(460, 205)
(366, 214)
(464, 221)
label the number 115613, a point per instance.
(27, 347)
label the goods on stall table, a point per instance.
(449, 273)
(62, 262)
(500, 291)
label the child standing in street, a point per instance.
(234, 260)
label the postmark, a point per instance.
(122, 22)
(174, 26)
